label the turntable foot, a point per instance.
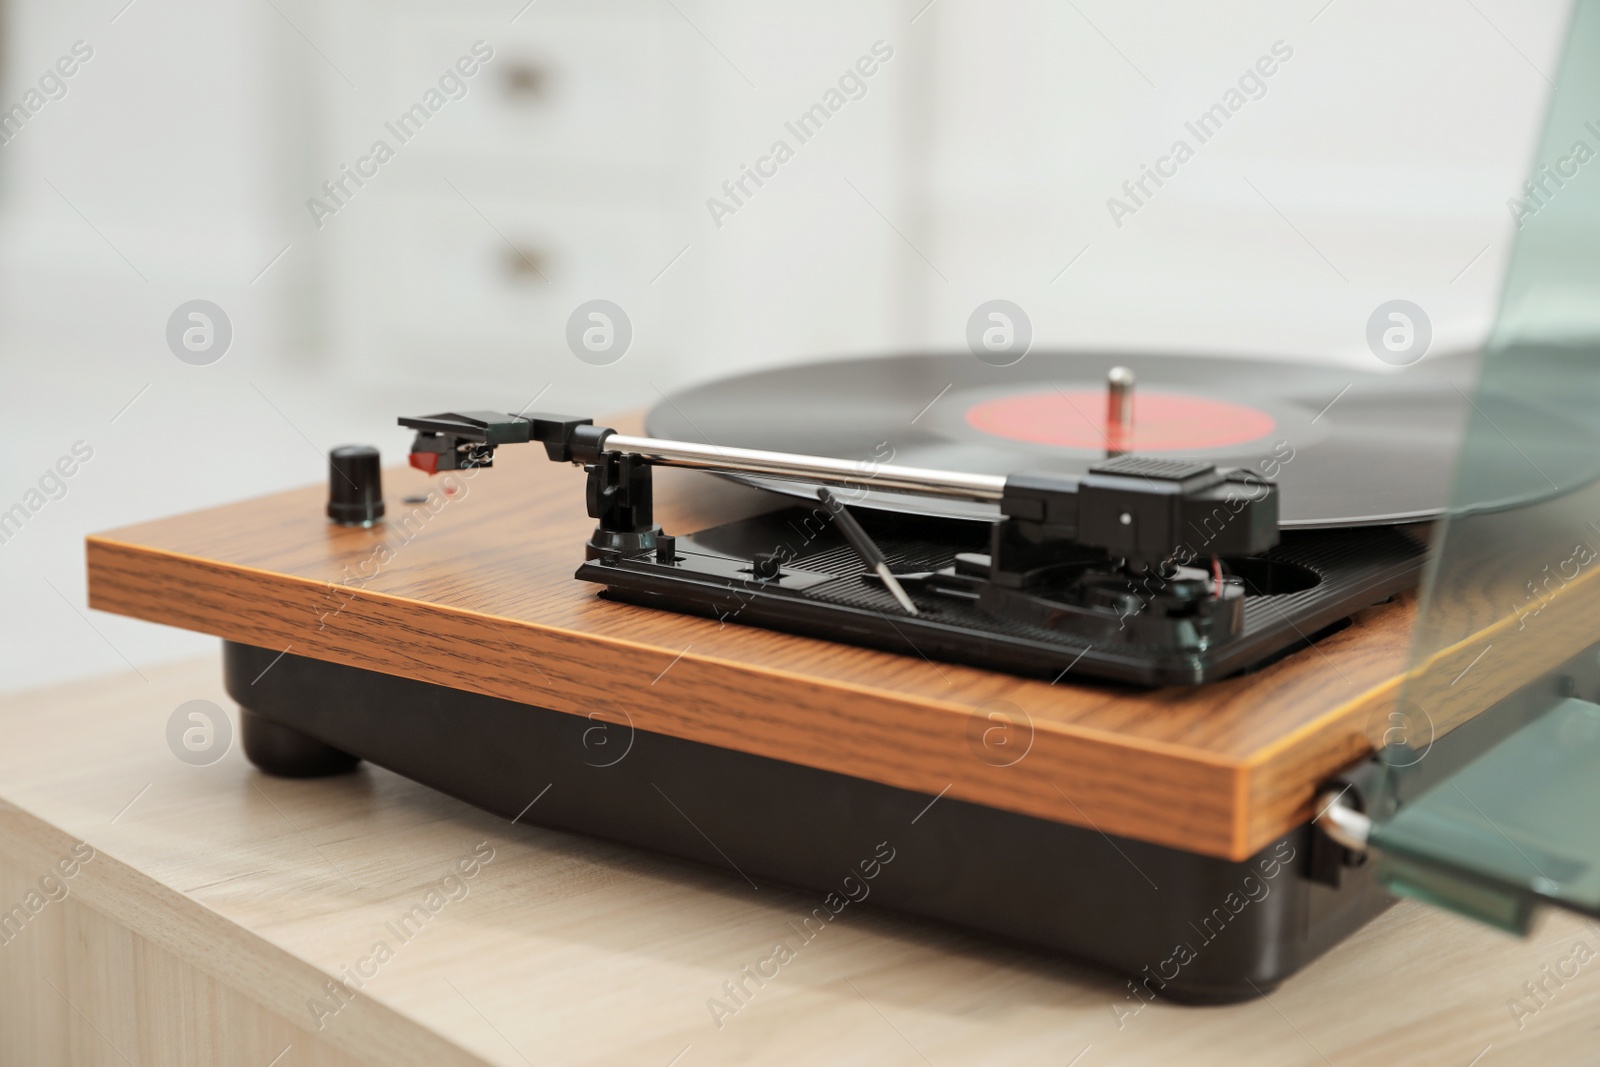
(288, 753)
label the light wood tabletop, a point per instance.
(180, 914)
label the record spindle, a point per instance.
(1119, 411)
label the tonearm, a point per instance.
(1131, 551)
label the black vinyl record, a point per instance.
(1347, 448)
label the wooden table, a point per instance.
(218, 904)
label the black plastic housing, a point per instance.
(1238, 928)
(1313, 580)
(1147, 510)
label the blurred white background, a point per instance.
(978, 163)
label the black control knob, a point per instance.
(355, 485)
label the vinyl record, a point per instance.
(1346, 448)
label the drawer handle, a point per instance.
(524, 82)
(524, 264)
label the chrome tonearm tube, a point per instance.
(922, 481)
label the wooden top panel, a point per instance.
(475, 591)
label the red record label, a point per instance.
(1162, 422)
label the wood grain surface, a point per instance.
(474, 590)
(219, 903)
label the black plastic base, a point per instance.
(1312, 582)
(288, 753)
(1181, 926)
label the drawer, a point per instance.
(431, 279)
(573, 90)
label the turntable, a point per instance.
(1178, 665)
(1088, 682)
